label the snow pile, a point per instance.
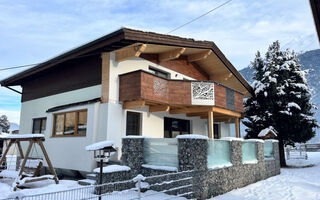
(112, 168)
(192, 136)
(221, 166)
(232, 139)
(20, 136)
(255, 140)
(99, 145)
(31, 163)
(249, 162)
(265, 131)
(9, 174)
(158, 167)
(134, 137)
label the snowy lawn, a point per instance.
(49, 186)
(291, 184)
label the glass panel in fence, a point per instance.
(249, 152)
(218, 153)
(268, 149)
(161, 152)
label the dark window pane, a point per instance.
(133, 123)
(174, 127)
(36, 126)
(159, 73)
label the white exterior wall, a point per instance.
(65, 152)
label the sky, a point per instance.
(33, 31)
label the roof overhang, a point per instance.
(216, 65)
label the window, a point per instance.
(39, 125)
(133, 123)
(70, 123)
(159, 73)
(174, 127)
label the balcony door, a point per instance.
(174, 127)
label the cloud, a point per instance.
(13, 115)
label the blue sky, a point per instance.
(33, 31)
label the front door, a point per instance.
(174, 127)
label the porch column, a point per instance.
(210, 125)
(237, 126)
(105, 77)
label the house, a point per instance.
(129, 82)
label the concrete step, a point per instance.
(86, 182)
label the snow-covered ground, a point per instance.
(49, 186)
(291, 184)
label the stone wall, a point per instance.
(192, 156)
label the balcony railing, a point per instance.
(142, 85)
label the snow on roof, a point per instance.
(20, 136)
(192, 136)
(99, 145)
(112, 168)
(265, 131)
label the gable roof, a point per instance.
(122, 38)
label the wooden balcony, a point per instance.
(144, 86)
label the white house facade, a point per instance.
(89, 94)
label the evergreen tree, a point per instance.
(4, 124)
(281, 99)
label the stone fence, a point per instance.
(193, 159)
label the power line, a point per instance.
(19, 66)
(177, 28)
(189, 22)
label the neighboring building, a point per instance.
(129, 82)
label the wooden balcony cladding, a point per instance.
(142, 85)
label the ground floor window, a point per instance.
(174, 127)
(70, 123)
(133, 123)
(39, 125)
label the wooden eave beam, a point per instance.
(190, 110)
(170, 55)
(159, 108)
(226, 112)
(130, 52)
(199, 56)
(134, 104)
